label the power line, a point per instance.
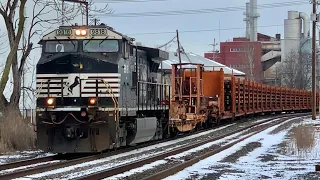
(203, 11)
(202, 30)
(167, 43)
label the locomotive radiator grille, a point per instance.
(71, 85)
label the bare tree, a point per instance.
(40, 21)
(249, 50)
(295, 70)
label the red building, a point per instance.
(243, 55)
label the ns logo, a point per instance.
(75, 83)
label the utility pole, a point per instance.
(179, 55)
(95, 21)
(318, 58)
(80, 2)
(23, 72)
(62, 13)
(214, 48)
(314, 97)
(180, 70)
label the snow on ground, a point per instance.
(218, 142)
(290, 153)
(18, 156)
(229, 139)
(149, 166)
(137, 170)
(110, 162)
(109, 165)
(25, 167)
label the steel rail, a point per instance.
(27, 162)
(132, 165)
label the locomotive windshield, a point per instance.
(100, 46)
(61, 46)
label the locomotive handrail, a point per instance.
(38, 91)
(145, 82)
(115, 102)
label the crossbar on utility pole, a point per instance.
(314, 97)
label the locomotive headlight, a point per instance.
(50, 101)
(92, 101)
(81, 32)
(78, 32)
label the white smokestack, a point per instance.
(247, 19)
(306, 26)
(254, 20)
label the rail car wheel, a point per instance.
(198, 127)
(217, 121)
(173, 132)
(205, 124)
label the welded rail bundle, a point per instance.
(99, 91)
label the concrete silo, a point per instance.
(296, 38)
(293, 35)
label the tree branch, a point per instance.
(13, 51)
(24, 58)
(4, 100)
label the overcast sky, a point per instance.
(203, 26)
(196, 42)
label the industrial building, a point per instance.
(259, 55)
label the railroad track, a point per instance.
(64, 163)
(181, 166)
(28, 162)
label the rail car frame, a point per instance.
(219, 96)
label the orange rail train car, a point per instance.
(202, 97)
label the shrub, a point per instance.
(16, 133)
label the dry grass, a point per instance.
(304, 138)
(16, 133)
(300, 141)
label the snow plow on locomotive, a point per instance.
(97, 91)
